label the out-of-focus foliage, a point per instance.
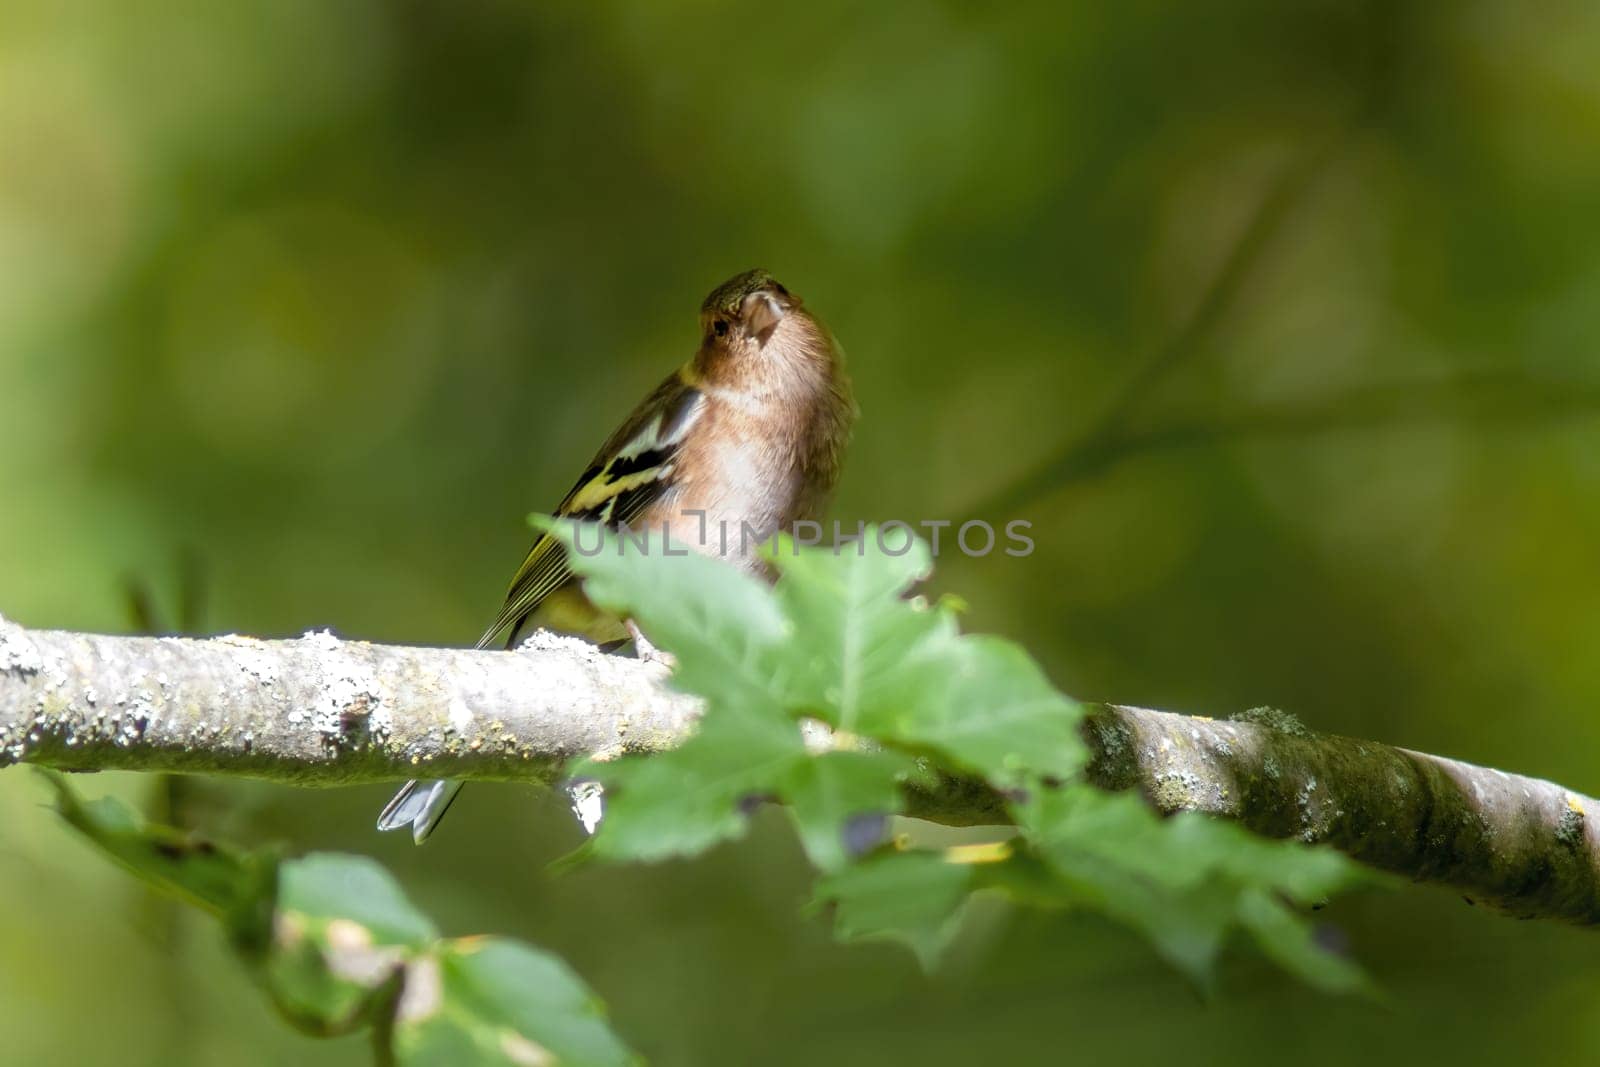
(338, 949)
(334, 294)
(905, 696)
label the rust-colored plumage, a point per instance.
(742, 441)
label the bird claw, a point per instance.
(646, 652)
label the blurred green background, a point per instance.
(330, 294)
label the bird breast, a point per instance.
(736, 486)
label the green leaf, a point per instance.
(492, 1001)
(1186, 882)
(830, 792)
(324, 886)
(839, 640)
(234, 885)
(1291, 942)
(915, 898)
(851, 627)
(342, 937)
(869, 661)
(338, 947)
(987, 707)
(722, 624)
(760, 669)
(683, 801)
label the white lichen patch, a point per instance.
(258, 663)
(349, 692)
(18, 655)
(549, 641)
(460, 716)
(1181, 790)
(321, 640)
(1312, 827)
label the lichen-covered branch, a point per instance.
(319, 710)
(1524, 845)
(323, 711)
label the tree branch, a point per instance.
(321, 711)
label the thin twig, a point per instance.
(1090, 450)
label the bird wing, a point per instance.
(632, 470)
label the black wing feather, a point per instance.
(632, 471)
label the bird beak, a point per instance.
(761, 313)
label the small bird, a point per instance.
(742, 441)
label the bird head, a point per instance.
(755, 335)
(748, 311)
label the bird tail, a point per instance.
(419, 805)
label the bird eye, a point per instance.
(720, 327)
